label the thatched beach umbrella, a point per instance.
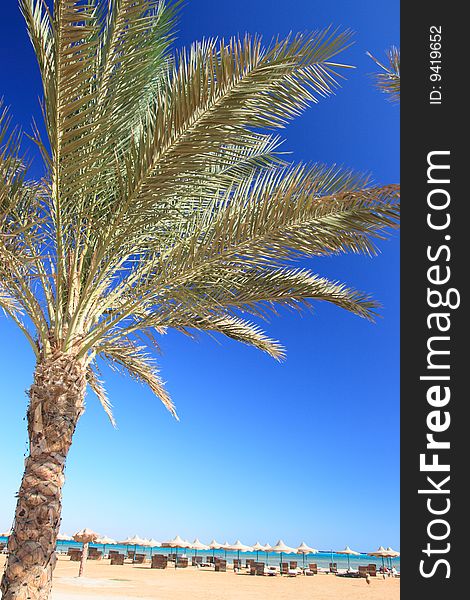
(257, 548)
(63, 537)
(214, 545)
(85, 536)
(105, 541)
(349, 553)
(303, 549)
(176, 542)
(225, 546)
(153, 543)
(240, 547)
(380, 553)
(391, 554)
(5, 534)
(281, 548)
(134, 541)
(198, 545)
(267, 549)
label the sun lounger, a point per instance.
(139, 559)
(75, 554)
(221, 565)
(312, 569)
(94, 554)
(284, 568)
(182, 562)
(159, 561)
(333, 567)
(271, 570)
(237, 564)
(257, 568)
(372, 570)
(196, 560)
(349, 573)
(117, 559)
(363, 571)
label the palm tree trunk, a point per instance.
(56, 403)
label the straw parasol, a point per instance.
(391, 554)
(64, 537)
(267, 549)
(176, 542)
(257, 548)
(214, 545)
(281, 548)
(198, 545)
(153, 543)
(349, 553)
(5, 534)
(85, 536)
(381, 553)
(105, 541)
(135, 541)
(303, 549)
(225, 546)
(240, 547)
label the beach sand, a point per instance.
(128, 582)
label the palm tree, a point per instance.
(388, 79)
(164, 204)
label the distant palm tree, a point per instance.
(388, 79)
(164, 204)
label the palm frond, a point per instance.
(216, 95)
(258, 290)
(388, 80)
(100, 392)
(138, 364)
(230, 326)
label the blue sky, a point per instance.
(307, 449)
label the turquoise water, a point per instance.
(322, 559)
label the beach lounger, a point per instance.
(270, 570)
(312, 569)
(284, 568)
(363, 571)
(333, 567)
(159, 561)
(94, 554)
(139, 559)
(181, 562)
(210, 559)
(372, 570)
(196, 560)
(259, 568)
(117, 559)
(292, 564)
(75, 554)
(237, 564)
(221, 565)
(256, 568)
(130, 554)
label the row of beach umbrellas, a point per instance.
(280, 548)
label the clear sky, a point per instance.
(307, 449)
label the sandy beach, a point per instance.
(129, 581)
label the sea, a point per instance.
(323, 558)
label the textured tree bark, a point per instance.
(56, 403)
